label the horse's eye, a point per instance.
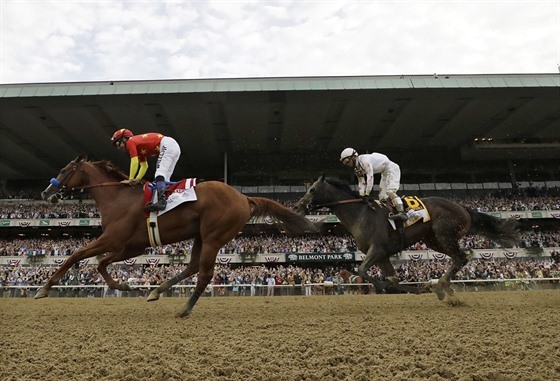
(312, 190)
(62, 170)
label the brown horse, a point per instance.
(217, 216)
(378, 240)
(357, 284)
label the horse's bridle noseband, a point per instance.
(61, 185)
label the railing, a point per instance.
(327, 288)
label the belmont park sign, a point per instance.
(320, 257)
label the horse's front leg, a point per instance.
(111, 258)
(97, 247)
(389, 272)
(373, 256)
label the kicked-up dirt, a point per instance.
(494, 336)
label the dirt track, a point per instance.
(488, 336)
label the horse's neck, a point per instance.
(104, 196)
(348, 216)
(359, 222)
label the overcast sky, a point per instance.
(68, 41)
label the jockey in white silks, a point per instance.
(366, 166)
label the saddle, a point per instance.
(176, 193)
(413, 206)
(178, 186)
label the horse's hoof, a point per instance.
(185, 312)
(181, 314)
(41, 294)
(439, 293)
(154, 295)
(124, 287)
(393, 279)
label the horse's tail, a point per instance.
(292, 222)
(502, 231)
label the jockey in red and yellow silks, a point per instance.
(151, 144)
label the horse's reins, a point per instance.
(112, 183)
(62, 187)
(342, 202)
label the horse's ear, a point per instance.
(81, 157)
(322, 177)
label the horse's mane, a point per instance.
(110, 169)
(343, 186)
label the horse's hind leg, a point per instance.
(207, 260)
(458, 261)
(191, 269)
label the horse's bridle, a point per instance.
(61, 185)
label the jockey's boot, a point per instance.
(401, 215)
(161, 201)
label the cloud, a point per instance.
(49, 41)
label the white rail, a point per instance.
(278, 290)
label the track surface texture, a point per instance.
(475, 336)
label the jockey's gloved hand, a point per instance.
(132, 182)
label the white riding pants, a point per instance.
(390, 181)
(169, 152)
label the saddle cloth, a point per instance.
(415, 210)
(177, 193)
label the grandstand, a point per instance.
(500, 129)
(487, 141)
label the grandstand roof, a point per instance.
(285, 130)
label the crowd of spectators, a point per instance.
(518, 200)
(40, 210)
(257, 244)
(492, 203)
(412, 271)
(285, 275)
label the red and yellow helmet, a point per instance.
(121, 134)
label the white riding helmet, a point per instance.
(347, 152)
